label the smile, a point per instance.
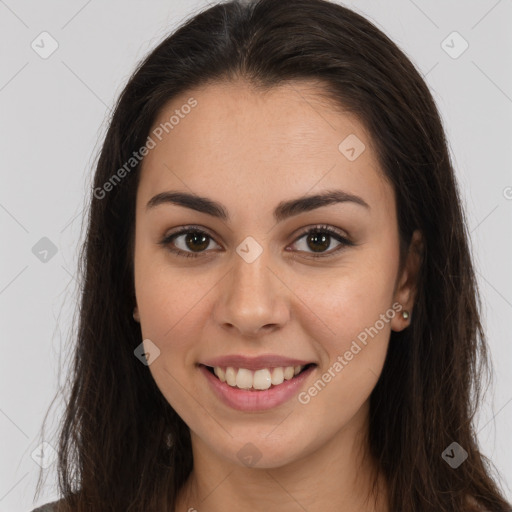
(251, 391)
(265, 378)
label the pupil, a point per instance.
(315, 238)
(192, 238)
(323, 239)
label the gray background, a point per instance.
(53, 115)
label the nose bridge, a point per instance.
(252, 295)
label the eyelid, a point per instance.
(322, 228)
(183, 230)
(331, 231)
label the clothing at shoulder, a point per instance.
(47, 507)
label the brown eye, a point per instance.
(192, 242)
(320, 238)
(196, 240)
(318, 242)
(187, 242)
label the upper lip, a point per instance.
(254, 363)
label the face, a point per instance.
(257, 281)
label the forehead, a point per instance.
(273, 143)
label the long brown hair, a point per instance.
(122, 447)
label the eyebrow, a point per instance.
(283, 210)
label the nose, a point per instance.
(253, 299)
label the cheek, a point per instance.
(353, 356)
(170, 307)
(169, 299)
(353, 308)
(352, 296)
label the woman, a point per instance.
(279, 307)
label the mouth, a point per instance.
(257, 391)
(259, 380)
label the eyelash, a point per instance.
(166, 241)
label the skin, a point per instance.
(249, 151)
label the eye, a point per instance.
(319, 238)
(192, 238)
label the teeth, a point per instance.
(277, 376)
(231, 376)
(243, 378)
(288, 372)
(262, 379)
(221, 374)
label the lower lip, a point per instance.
(246, 400)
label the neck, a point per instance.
(336, 476)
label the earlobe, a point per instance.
(136, 316)
(407, 288)
(401, 321)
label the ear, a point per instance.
(407, 286)
(136, 315)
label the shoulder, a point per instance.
(48, 507)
